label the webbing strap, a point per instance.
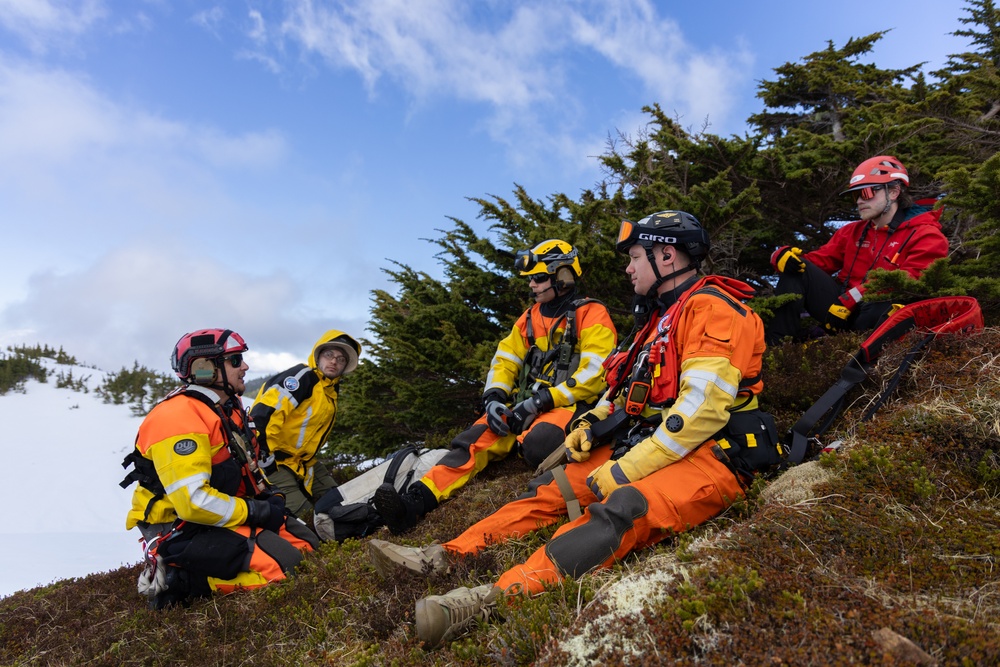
(572, 502)
(937, 315)
(894, 382)
(832, 401)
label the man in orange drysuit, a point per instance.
(208, 517)
(681, 412)
(543, 373)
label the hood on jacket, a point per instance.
(341, 341)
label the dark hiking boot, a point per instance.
(403, 511)
(176, 592)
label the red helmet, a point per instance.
(878, 170)
(211, 344)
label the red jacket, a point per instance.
(857, 248)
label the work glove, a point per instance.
(836, 318)
(525, 412)
(787, 259)
(606, 478)
(497, 416)
(267, 514)
(578, 444)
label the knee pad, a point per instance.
(541, 441)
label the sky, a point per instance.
(167, 166)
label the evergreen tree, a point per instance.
(779, 184)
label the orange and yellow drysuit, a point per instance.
(195, 478)
(701, 355)
(538, 331)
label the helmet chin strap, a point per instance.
(653, 291)
(225, 385)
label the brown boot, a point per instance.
(441, 618)
(389, 558)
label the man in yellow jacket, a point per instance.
(209, 519)
(293, 414)
(545, 371)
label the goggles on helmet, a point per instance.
(526, 260)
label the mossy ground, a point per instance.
(904, 534)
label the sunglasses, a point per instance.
(539, 278)
(869, 192)
(235, 360)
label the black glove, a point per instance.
(268, 514)
(525, 412)
(497, 413)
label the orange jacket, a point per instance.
(186, 442)
(713, 358)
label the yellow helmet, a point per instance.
(548, 257)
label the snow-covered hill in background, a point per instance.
(62, 513)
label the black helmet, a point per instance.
(675, 228)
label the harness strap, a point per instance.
(831, 402)
(937, 315)
(572, 502)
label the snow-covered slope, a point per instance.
(62, 513)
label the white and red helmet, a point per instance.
(211, 344)
(879, 170)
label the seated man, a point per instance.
(207, 515)
(547, 368)
(893, 233)
(681, 407)
(293, 414)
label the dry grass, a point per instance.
(895, 535)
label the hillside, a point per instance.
(894, 537)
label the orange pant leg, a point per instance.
(678, 497)
(477, 446)
(541, 505)
(272, 559)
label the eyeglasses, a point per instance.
(235, 360)
(869, 192)
(333, 355)
(539, 278)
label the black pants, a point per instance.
(819, 291)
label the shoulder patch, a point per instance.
(185, 447)
(675, 423)
(291, 383)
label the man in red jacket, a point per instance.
(894, 233)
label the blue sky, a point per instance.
(172, 165)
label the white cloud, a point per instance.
(209, 19)
(48, 117)
(686, 82)
(44, 25)
(518, 61)
(135, 302)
